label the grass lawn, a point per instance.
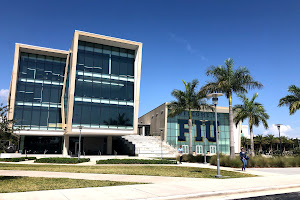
(24, 184)
(173, 171)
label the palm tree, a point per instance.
(188, 100)
(243, 141)
(293, 100)
(254, 112)
(271, 140)
(228, 81)
(259, 139)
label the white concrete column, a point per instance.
(143, 130)
(66, 146)
(109, 145)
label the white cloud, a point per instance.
(285, 130)
(3, 96)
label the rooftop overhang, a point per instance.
(42, 50)
(106, 40)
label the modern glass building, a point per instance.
(175, 130)
(94, 85)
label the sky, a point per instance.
(181, 39)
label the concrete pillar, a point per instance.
(66, 146)
(109, 145)
(143, 130)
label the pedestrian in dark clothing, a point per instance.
(243, 159)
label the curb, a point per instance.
(226, 192)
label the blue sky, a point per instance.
(180, 40)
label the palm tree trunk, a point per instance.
(260, 147)
(252, 142)
(190, 137)
(190, 133)
(232, 153)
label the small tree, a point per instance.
(6, 129)
(260, 140)
(292, 100)
(253, 111)
(188, 100)
(271, 140)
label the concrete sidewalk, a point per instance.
(159, 187)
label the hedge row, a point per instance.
(257, 161)
(135, 161)
(62, 160)
(16, 159)
(193, 159)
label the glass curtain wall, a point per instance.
(39, 87)
(206, 120)
(104, 87)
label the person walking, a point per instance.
(243, 159)
(180, 152)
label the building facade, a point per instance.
(95, 85)
(174, 130)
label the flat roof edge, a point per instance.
(84, 33)
(28, 46)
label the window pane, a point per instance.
(130, 67)
(86, 114)
(95, 114)
(105, 64)
(35, 120)
(123, 66)
(105, 90)
(104, 114)
(77, 112)
(115, 65)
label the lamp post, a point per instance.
(204, 143)
(79, 151)
(161, 149)
(215, 102)
(278, 126)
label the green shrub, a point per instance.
(296, 151)
(135, 161)
(257, 161)
(193, 159)
(62, 160)
(12, 159)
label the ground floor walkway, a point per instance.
(161, 187)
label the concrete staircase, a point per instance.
(149, 146)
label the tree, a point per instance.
(259, 139)
(253, 111)
(271, 140)
(6, 129)
(292, 100)
(188, 100)
(228, 81)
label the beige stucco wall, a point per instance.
(156, 118)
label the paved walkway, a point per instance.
(158, 187)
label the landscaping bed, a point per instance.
(16, 159)
(257, 161)
(135, 161)
(62, 160)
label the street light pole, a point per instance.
(79, 151)
(161, 151)
(215, 102)
(204, 143)
(278, 126)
